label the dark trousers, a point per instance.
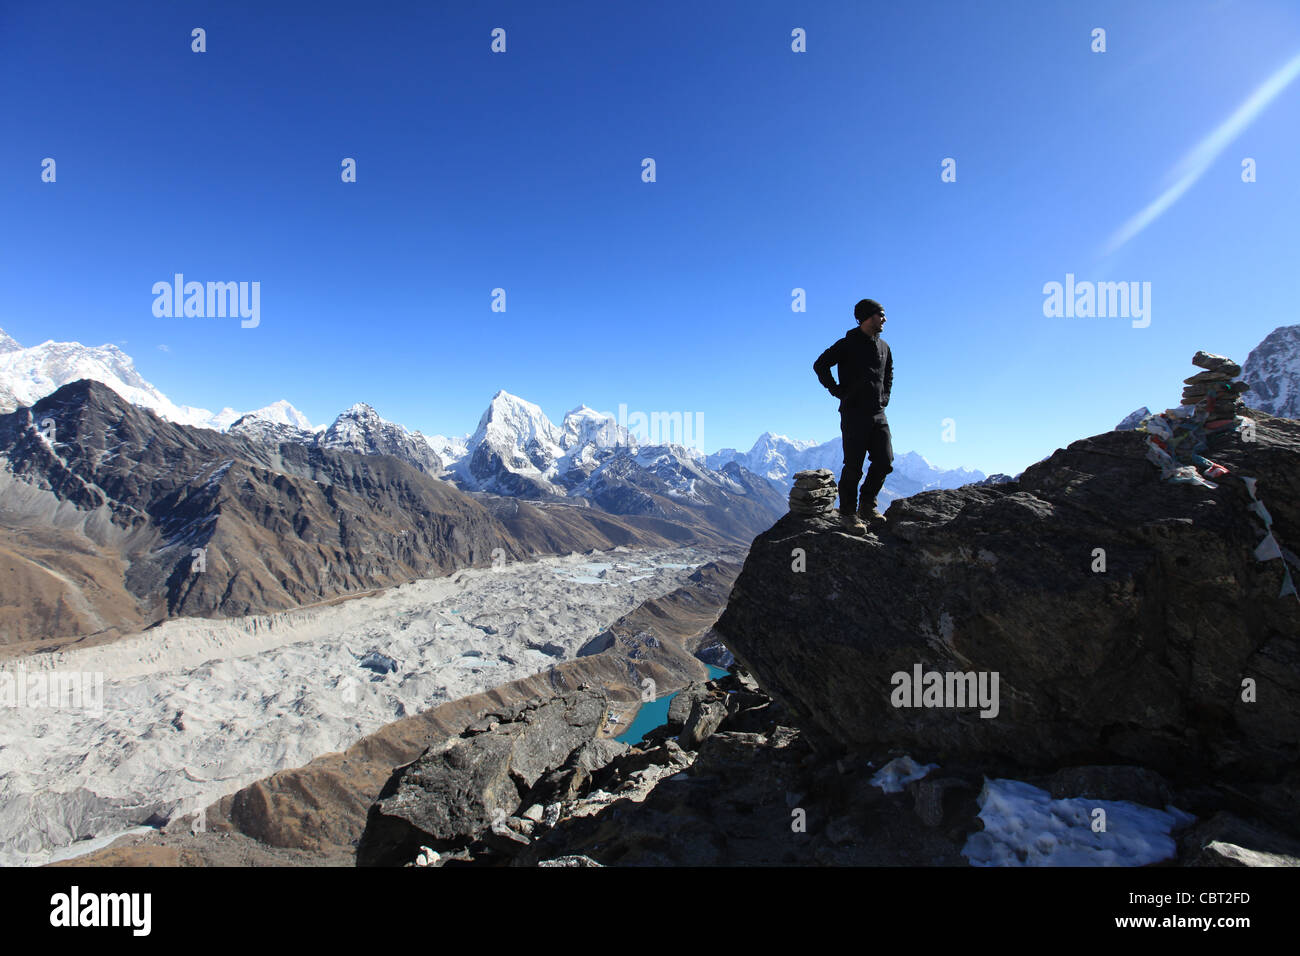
(863, 435)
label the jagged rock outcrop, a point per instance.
(753, 793)
(361, 430)
(756, 792)
(270, 431)
(452, 796)
(1127, 619)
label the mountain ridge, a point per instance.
(115, 519)
(515, 449)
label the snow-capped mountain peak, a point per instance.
(277, 422)
(517, 435)
(912, 459)
(1273, 371)
(772, 440)
(29, 374)
(916, 467)
(355, 420)
(777, 458)
(517, 450)
(449, 449)
(223, 419)
(283, 413)
(7, 343)
(584, 427)
(513, 418)
(773, 456)
(360, 429)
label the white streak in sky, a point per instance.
(1191, 167)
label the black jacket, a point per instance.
(866, 372)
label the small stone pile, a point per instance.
(1177, 437)
(1214, 391)
(813, 493)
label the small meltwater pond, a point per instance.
(655, 713)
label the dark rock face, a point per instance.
(759, 796)
(1140, 663)
(757, 793)
(362, 431)
(679, 708)
(705, 717)
(487, 464)
(456, 794)
(670, 487)
(1136, 784)
(259, 429)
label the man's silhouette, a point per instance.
(866, 378)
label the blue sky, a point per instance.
(776, 170)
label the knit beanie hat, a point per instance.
(866, 309)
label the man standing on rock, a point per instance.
(866, 378)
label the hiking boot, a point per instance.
(852, 523)
(871, 517)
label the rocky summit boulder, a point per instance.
(455, 793)
(1087, 613)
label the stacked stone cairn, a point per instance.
(1177, 439)
(814, 493)
(1212, 402)
(1215, 393)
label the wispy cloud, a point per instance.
(163, 348)
(1192, 166)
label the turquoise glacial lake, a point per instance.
(655, 713)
